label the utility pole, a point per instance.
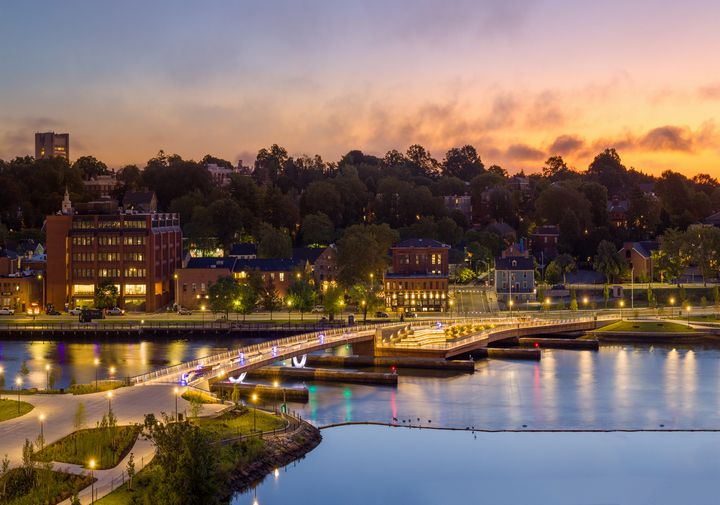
(632, 288)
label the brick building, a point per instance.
(545, 241)
(139, 252)
(18, 293)
(419, 277)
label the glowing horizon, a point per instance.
(521, 80)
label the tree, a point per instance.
(4, 470)
(303, 296)
(270, 298)
(363, 250)
(555, 168)
(606, 294)
(608, 169)
(705, 250)
(196, 406)
(130, 471)
(235, 394)
(73, 382)
(223, 293)
(247, 301)
(225, 220)
(90, 167)
(188, 463)
(274, 244)
(573, 299)
(24, 371)
(566, 263)
(463, 163)
(609, 262)
(106, 295)
(553, 274)
(317, 229)
(333, 301)
(367, 296)
(675, 254)
(54, 376)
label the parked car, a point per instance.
(33, 309)
(5, 311)
(115, 311)
(558, 286)
(410, 314)
(75, 312)
(318, 309)
(52, 312)
(184, 312)
(380, 313)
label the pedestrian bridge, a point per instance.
(375, 340)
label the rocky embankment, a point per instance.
(277, 452)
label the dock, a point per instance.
(391, 361)
(323, 374)
(264, 393)
(559, 343)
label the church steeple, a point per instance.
(67, 204)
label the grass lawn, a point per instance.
(239, 421)
(198, 397)
(86, 389)
(93, 444)
(54, 486)
(9, 409)
(648, 326)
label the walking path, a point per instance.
(130, 405)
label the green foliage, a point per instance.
(675, 254)
(553, 274)
(247, 301)
(333, 300)
(274, 243)
(105, 445)
(73, 382)
(302, 295)
(317, 229)
(541, 294)
(561, 304)
(130, 469)
(41, 485)
(367, 297)
(9, 409)
(106, 295)
(270, 298)
(194, 396)
(54, 376)
(609, 262)
(188, 463)
(573, 299)
(363, 250)
(196, 406)
(606, 294)
(223, 293)
(24, 371)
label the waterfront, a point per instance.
(617, 387)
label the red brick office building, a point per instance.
(139, 252)
(419, 278)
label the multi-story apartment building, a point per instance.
(138, 252)
(419, 277)
(52, 144)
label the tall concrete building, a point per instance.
(52, 144)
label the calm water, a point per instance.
(618, 387)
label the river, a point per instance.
(618, 387)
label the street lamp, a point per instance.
(92, 469)
(43, 289)
(47, 377)
(511, 304)
(275, 402)
(621, 309)
(672, 301)
(96, 375)
(585, 300)
(42, 418)
(203, 314)
(289, 309)
(688, 315)
(176, 289)
(451, 304)
(254, 413)
(109, 399)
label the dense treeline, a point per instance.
(284, 201)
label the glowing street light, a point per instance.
(96, 374)
(92, 469)
(275, 384)
(621, 309)
(289, 308)
(109, 399)
(511, 304)
(585, 300)
(254, 397)
(672, 301)
(688, 315)
(203, 314)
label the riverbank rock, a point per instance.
(277, 452)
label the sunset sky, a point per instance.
(520, 80)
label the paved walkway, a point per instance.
(130, 405)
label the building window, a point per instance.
(136, 256)
(184, 287)
(194, 286)
(134, 272)
(132, 240)
(202, 287)
(282, 276)
(524, 285)
(272, 276)
(84, 289)
(135, 289)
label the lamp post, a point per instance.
(254, 413)
(92, 469)
(289, 304)
(621, 309)
(109, 405)
(275, 401)
(176, 289)
(176, 407)
(203, 314)
(688, 315)
(42, 418)
(672, 301)
(511, 304)
(96, 375)
(451, 304)
(47, 377)
(42, 278)
(19, 381)
(585, 300)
